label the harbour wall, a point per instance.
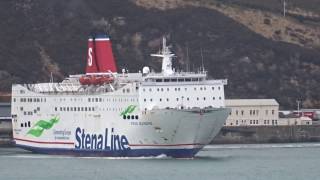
(268, 134)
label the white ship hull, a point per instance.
(172, 132)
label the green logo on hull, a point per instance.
(41, 125)
(128, 110)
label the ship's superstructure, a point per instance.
(105, 113)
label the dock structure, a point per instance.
(5, 124)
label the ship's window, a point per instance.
(29, 124)
(175, 89)
(178, 89)
(100, 99)
(14, 99)
(173, 80)
(144, 100)
(185, 89)
(272, 111)
(187, 79)
(150, 89)
(200, 88)
(56, 109)
(195, 88)
(60, 108)
(160, 99)
(151, 99)
(220, 98)
(213, 98)
(25, 113)
(197, 99)
(167, 89)
(128, 117)
(97, 100)
(242, 112)
(82, 108)
(64, 108)
(75, 108)
(204, 98)
(204, 88)
(85, 109)
(35, 111)
(21, 108)
(219, 88)
(158, 80)
(137, 117)
(123, 90)
(25, 124)
(34, 99)
(132, 116)
(187, 99)
(167, 99)
(128, 90)
(144, 89)
(177, 99)
(157, 89)
(180, 80)
(45, 99)
(194, 79)
(21, 124)
(71, 108)
(89, 109)
(166, 80)
(161, 89)
(67, 108)
(92, 108)
(124, 117)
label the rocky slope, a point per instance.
(261, 56)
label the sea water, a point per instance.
(239, 162)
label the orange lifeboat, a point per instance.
(95, 80)
(84, 80)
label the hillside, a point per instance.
(39, 37)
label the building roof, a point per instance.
(251, 102)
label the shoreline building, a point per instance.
(262, 112)
(252, 112)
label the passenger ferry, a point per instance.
(105, 113)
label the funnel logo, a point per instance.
(41, 125)
(90, 57)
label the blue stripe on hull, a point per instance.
(176, 153)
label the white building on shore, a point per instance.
(252, 112)
(260, 112)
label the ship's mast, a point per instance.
(166, 56)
